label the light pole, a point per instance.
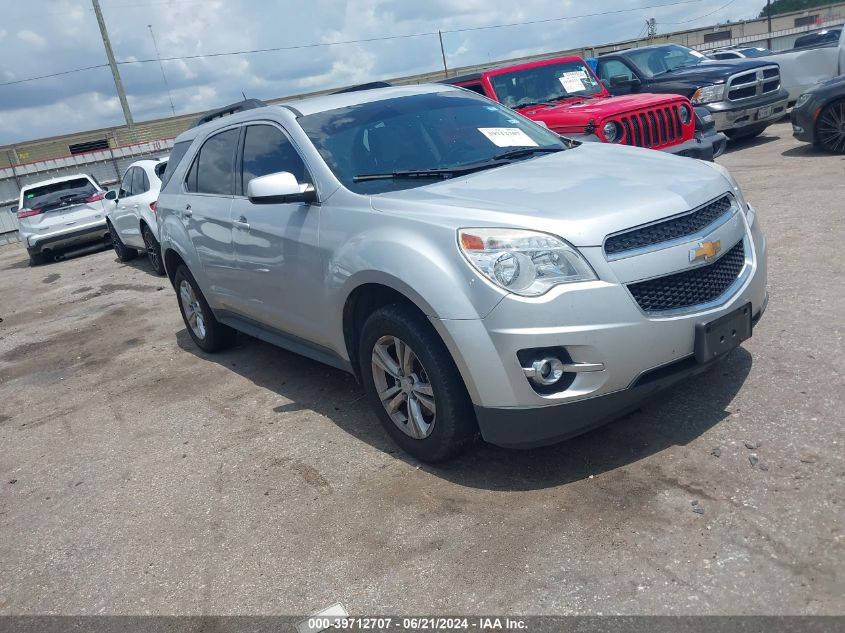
(121, 94)
(161, 66)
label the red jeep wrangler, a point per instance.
(569, 99)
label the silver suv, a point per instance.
(475, 271)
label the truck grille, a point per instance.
(652, 127)
(691, 287)
(671, 229)
(754, 83)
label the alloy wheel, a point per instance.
(403, 387)
(152, 249)
(192, 308)
(831, 127)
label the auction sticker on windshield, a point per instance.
(508, 136)
(573, 81)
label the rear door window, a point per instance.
(216, 162)
(58, 195)
(140, 184)
(266, 151)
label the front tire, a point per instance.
(207, 332)
(830, 127)
(123, 252)
(153, 250)
(414, 386)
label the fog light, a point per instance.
(797, 129)
(545, 371)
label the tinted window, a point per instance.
(191, 178)
(216, 163)
(140, 184)
(126, 184)
(614, 68)
(266, 151)
(176, 155)
(544, 83)
(58, 194)
(419, 132)
(662, 59)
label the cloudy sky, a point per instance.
(41, 37)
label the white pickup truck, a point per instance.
(803, 68)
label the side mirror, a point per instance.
(623, 81)
(279, 188)
(111, 195)
(13, 210)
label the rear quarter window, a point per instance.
(176, 155)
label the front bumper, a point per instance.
(731, 116)
(705, 146)
(36, 243)
(596, 323)
(803, 125)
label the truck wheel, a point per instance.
(208, 333)
(830, 127)
(153, 250)
(124, 253)
(414, 386)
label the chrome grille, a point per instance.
(754, 83)
(691, 287)
(671, 229)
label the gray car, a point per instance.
(475, 271)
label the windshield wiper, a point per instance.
(450, 172)
(445, 172)
(526, 151)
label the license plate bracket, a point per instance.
(765, 112)
(718, 337)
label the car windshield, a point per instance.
(545, 84)
(664, 59)
(58, 194)
(420, 138)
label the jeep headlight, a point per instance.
(708, 94)
(612, 131)
(526, 263)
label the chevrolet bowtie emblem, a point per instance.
(705, 250)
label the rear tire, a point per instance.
(830, 127)
(414, 386)
(123, 252)
(153, 250)
(207, 332)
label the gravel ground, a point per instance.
(140, 475)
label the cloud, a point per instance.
(32, 38)
(65, 35)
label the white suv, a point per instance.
(132, 221)
(62, 213)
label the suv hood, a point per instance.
(581, 194)
(712, 71)
(585, 110)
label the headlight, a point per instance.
(612, 131)
(686, 115)
(804, 98)
(526, 263)
(709, 94)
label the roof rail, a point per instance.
(240, 106)
(369, 86)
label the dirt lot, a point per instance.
(142, 476)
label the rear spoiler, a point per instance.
(240, 106)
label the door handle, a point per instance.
(187, 212)
(241, 223)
